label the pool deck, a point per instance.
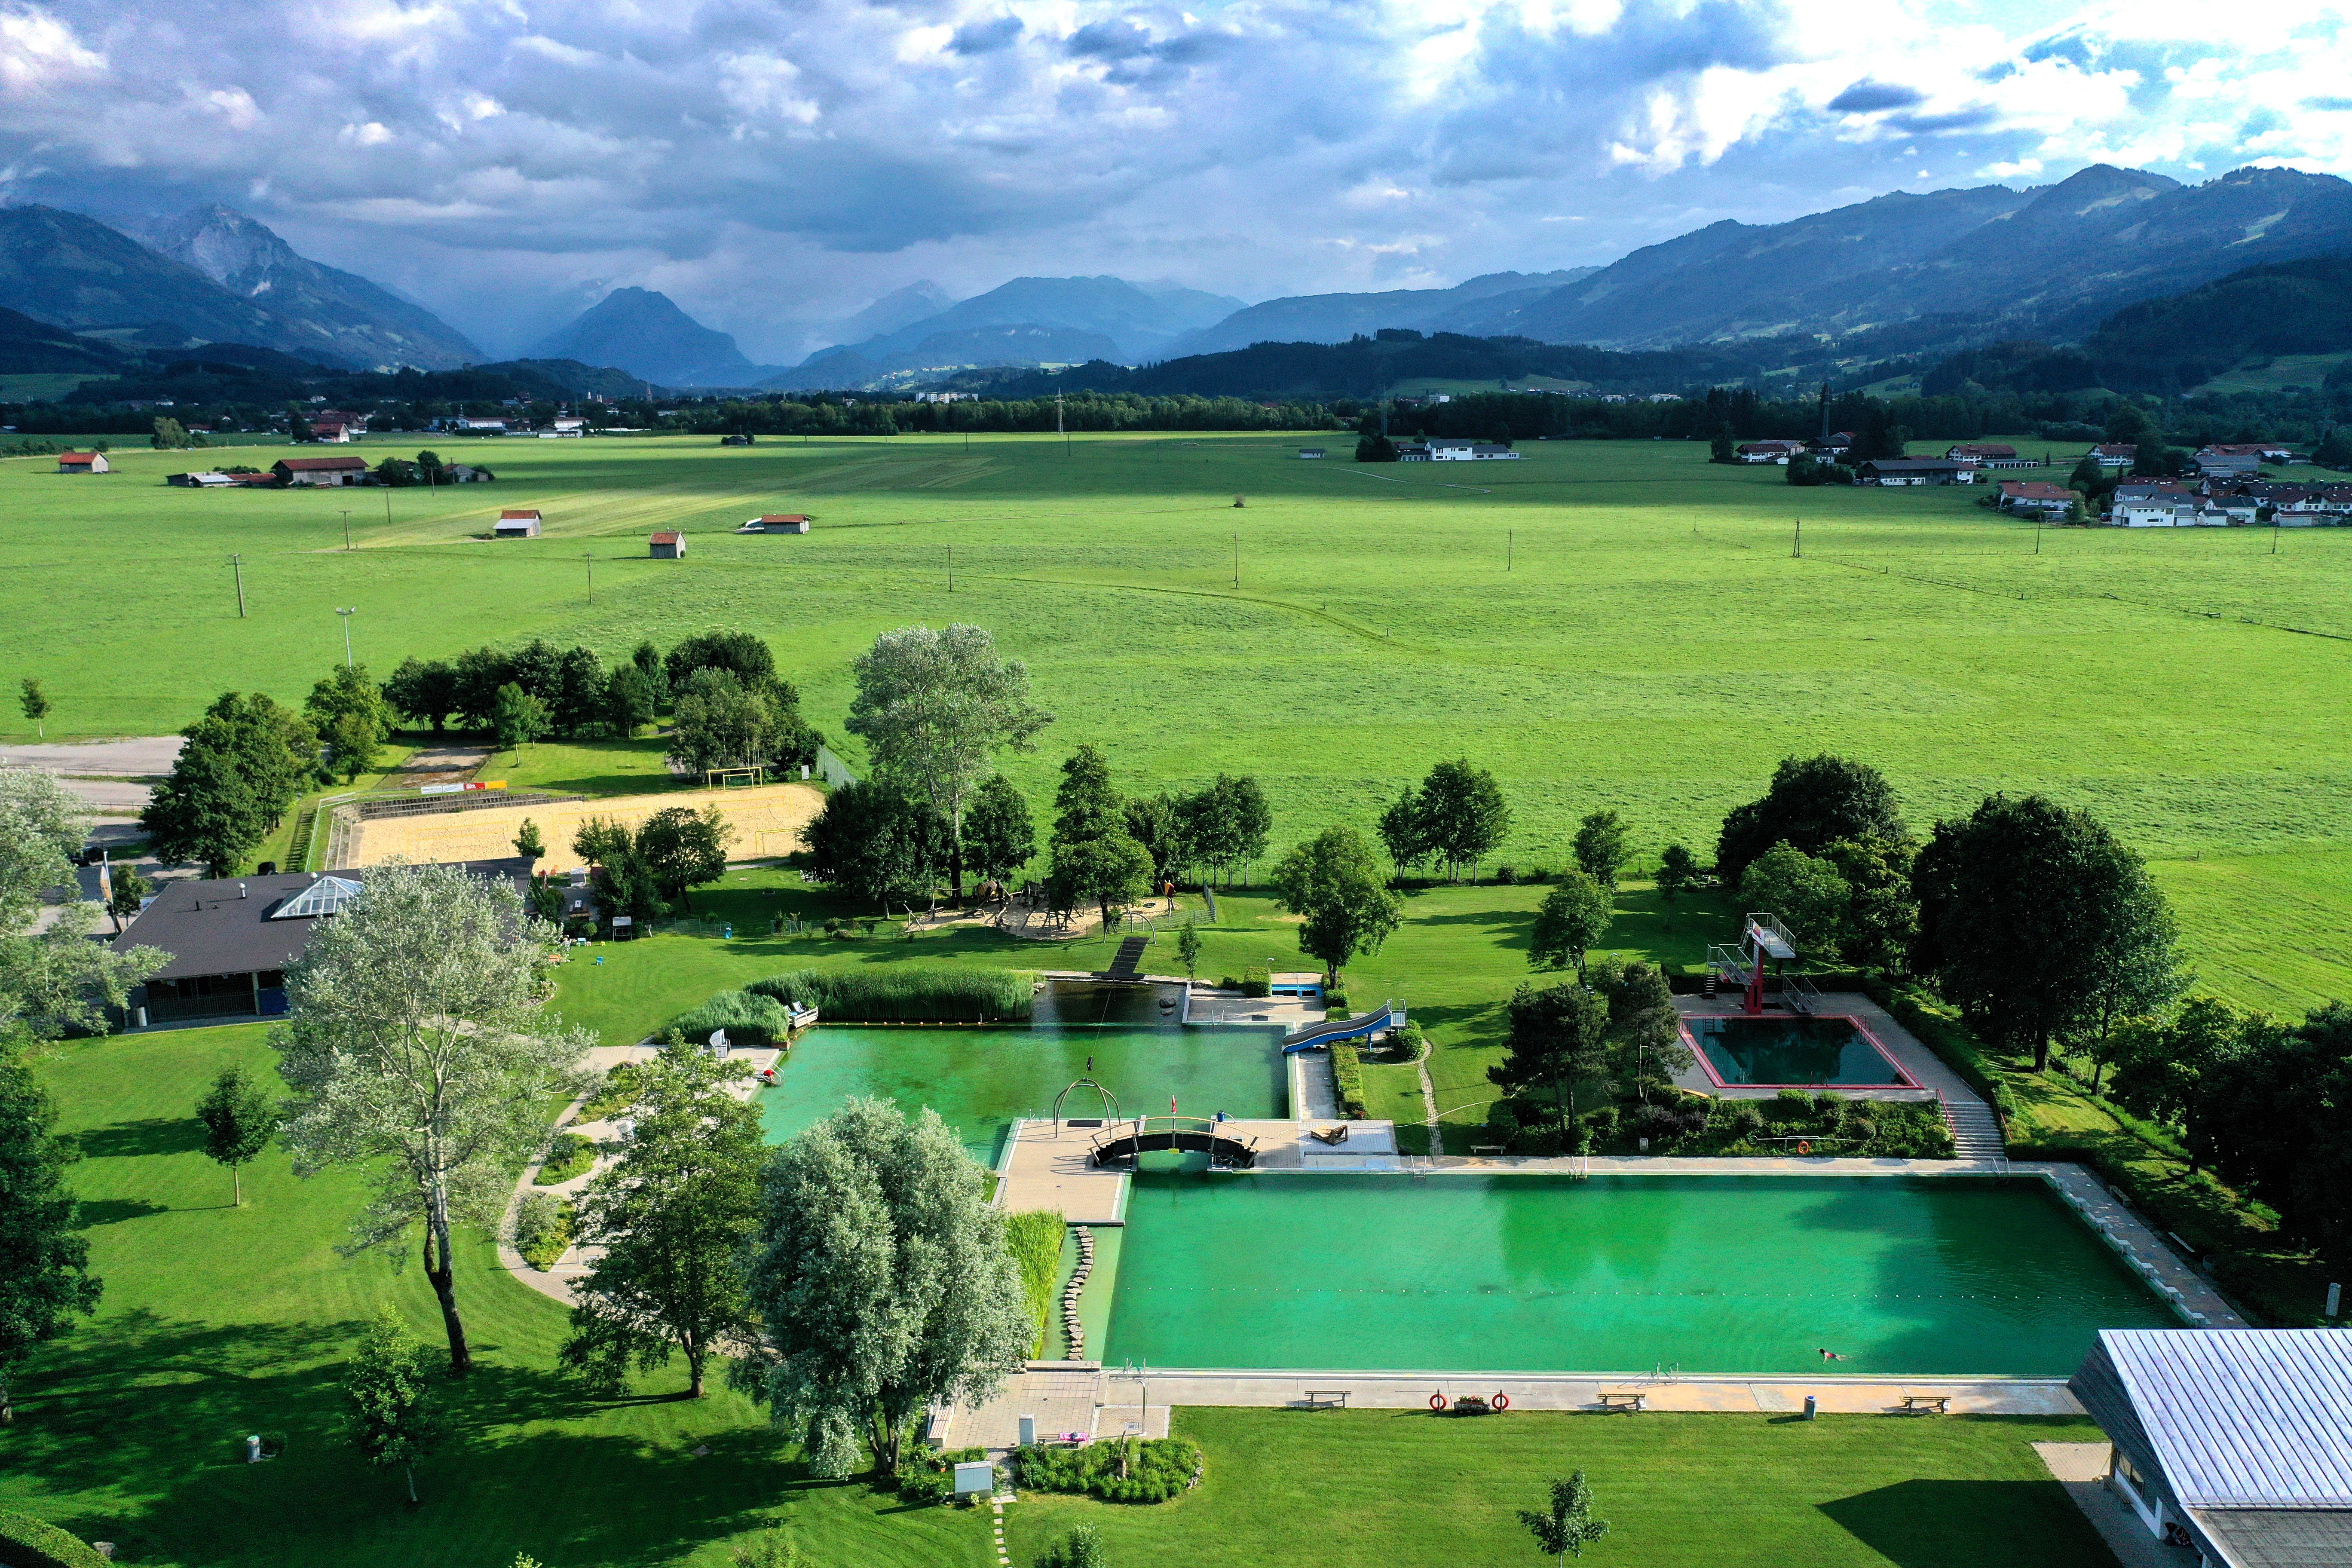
(1924, 1066)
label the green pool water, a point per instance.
(1727, 1274)
(981, 1080)
(1799, 1052)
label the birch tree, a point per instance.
(936, 706)
(882, 1280)
(421, 1050)
(57, 979)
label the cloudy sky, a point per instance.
(776, 166)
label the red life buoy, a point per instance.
(1803, 1147)
(1501, 1402)
(1437, 1402)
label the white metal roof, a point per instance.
(326, 896)
(2243, 1417)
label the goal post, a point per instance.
(734, 778)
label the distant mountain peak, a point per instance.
(642, 331)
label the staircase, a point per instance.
(1976, 1131)
(1127, 964)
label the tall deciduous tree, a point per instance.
(44, 1279)
(1811, 804)
(35, 703)
(1109, 872)
(1226, 823)
(1334, 880)
(874, 841)
(934, 707)
(2023, 907)
(998, 836)
(244, 765)
(390, 1417)
(721, 722)
(352, 718)
(1643, 1026)
(1401, 832)
(1805, 890)
(744, 655)
(240, 1118)
(1559, 1039)
(55, 979)
(1463, 814)
(1085, 806)
(1882, 918)
(628, 700)
(422, 691)
(516, 717)
(684, 849)
(1573, 917)
(883, 1284)
(1601, 846)
(669, 1220)
(1677, 869)
(421, 1050)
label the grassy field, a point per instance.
(220, 1322)
(1605, 624)
(2280, 373)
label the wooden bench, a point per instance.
(1923, 1403)
(1628, 1400)
(1326, 1399)
(1486, 1148)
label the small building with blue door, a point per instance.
(231, 939)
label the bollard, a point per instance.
(1811, 1409)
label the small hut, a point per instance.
(669, 545)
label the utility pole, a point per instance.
(237, 565)
(1800, 550)
(951, 568)
(1237, 559)
(2037, 535)
(1510, 539)
(347, 525)
(590, 557)
(346, 615)
(1060, 429)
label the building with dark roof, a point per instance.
(1914, 471)
(320, 472)
(231, 939)
(2235, 1442)
(667, 545)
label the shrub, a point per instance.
(542, 1230)
(748, 1018)
(1034, 1238)
(29, 1543)
(1506, 875)
(568, 1155)
(1257, 981)
(903, 993)
(930, 1478)
(617, 1093)
(1744, 1120)
(1348, 1076)
(1156, 1470)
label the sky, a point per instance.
(774, 167)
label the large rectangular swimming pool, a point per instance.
(1792, 1053)
(1723, 1274)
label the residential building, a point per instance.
(2230, 1442)
(1767, 451)
(517, 523)
(2231, 461)
(2170, 511)
(231, 940)
(1310, 452)
(1836, 444)
(2114, 455)
(1461, 451)
(196, 482)
(83, 463)
(667, 545)
(2037, 496)
(1991, 455)
(1914, 471)
(307, 472)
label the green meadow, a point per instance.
(1602, 624)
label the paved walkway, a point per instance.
(2082, 1469)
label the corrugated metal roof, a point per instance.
(2244, 1418)
(2280, 1538)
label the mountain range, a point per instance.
(645, 333)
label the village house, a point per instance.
(321, 472)
(1989, 455)
(1768, 451)
(1914, 471)
(2231, 461)
(2037, 496)
(2112, 455)
(1836, 444)
(2191, 510)
(1460, 451)
(82, 463)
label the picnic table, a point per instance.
(1326, 1399)
(1628, 1400)
(1922, 1403)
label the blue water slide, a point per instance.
(1314, 1036)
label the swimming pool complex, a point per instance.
(1721, 1274)
(980, 1080)
(1792, 1053)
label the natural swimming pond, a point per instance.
(1727, 1274)
(980, 1079)
(1802, 1053)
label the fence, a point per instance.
(831, 769)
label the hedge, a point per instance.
(29, 1543)
(1156, 1470)
(903, 993)
(749, 1019)
(1347, 1074)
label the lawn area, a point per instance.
(1710, 1491)
(588, 767)
(1618, 625)
(220, 1322)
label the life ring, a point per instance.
(1803, 1147)
(1437, 1402)
(1501, 1402)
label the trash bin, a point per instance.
(1809, 1409)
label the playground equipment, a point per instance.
(1118, 1145)
(1109, 1102)
(1761, 936)
(1314, 1036)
